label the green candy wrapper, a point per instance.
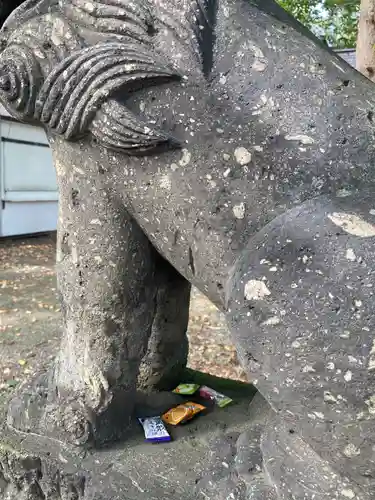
(186, 389)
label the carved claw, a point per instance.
(76, 426)
(117, 128)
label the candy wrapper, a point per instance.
(208, 393)
(186, 389)
(182, 413)
(154, 429)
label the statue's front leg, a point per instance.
(106, 274)
(167, 353)
(106, 278)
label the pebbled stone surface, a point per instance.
(201, 458)
(241, 151)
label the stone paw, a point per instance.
(249, 466)
(235, 471)
(35, 410)
(29, 478)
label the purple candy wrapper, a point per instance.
(154, 429)
(208, 393)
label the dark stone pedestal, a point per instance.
(212, 457)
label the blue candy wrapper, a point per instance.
(154, 429)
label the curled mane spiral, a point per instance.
(21, 76)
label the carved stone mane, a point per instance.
(57, 76)
(65, 61)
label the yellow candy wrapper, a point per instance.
(186, 389)
(182, 413)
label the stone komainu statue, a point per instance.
(216, 143)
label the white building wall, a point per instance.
(28, 190)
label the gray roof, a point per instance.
(348, 55)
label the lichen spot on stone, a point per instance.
(165, 182)
(239, 211)
(348, 493)
(370, 402)
(259, 65)
(319, 414)
(308, 369)
(371, 363)
(343, 193)
(90, 7)
(350, 255)
(256, 290)
(242, 156)
(329, 397)
(272, 321)
(352, 224)
(303, 139)
(185, 159)
(351, 451)
(260, 61)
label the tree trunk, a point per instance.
(366, 39)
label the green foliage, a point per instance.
(334, 21)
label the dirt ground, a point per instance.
(30, 317)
